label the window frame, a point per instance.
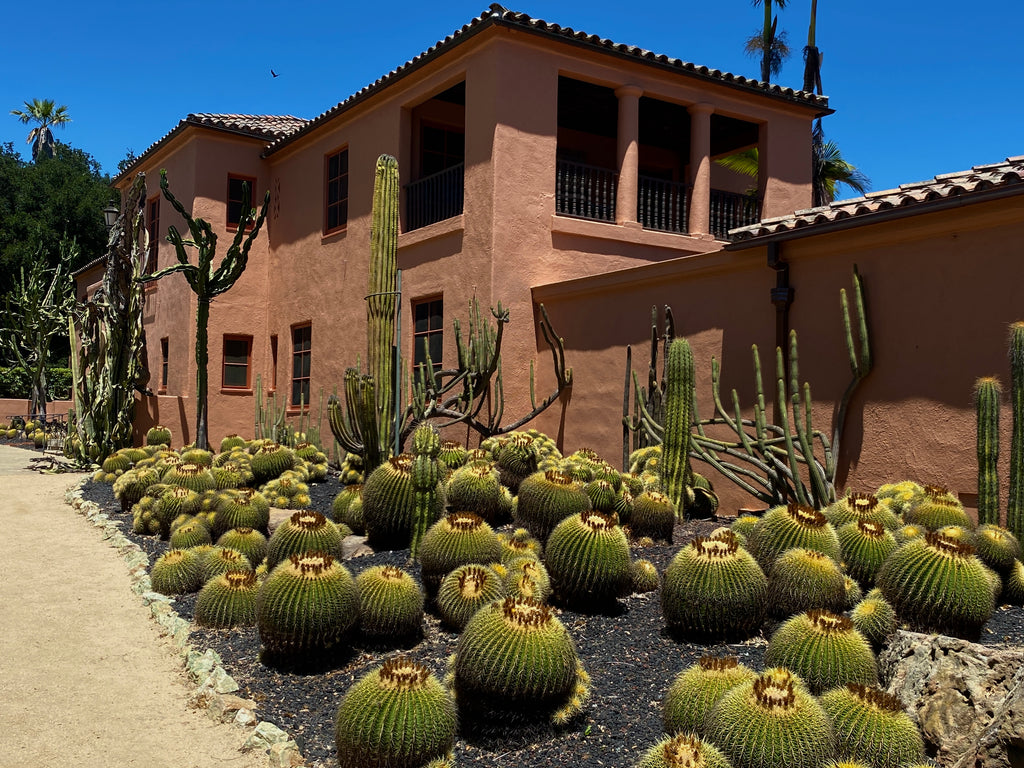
(430, 332)
(165, 353)
(297, 353)
(228, 200)
(225, 364)
(328, 202)
(447, 158)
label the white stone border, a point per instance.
(215, 688)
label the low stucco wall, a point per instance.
(10, 407)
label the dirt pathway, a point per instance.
(85, 678)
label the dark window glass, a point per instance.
(235, 197)
(302, 339)
(236, 361)
(428, 333)
(336, 192)
(153, 215)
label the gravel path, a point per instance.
(85, 678)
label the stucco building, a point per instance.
(541, 164)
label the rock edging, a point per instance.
(215, 689)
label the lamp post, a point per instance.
(110, 213)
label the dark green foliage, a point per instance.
(305, 531)
(228, 600)
(792, 525)
(457, 539)
(697, 689)
(937, 583)
(517, 460)
(823, 648)
(683, 751)
(391, 602)
(771, 722)
(177, 571)
(601, 494)
(426, 476)
(675, 449)
(466, 590)
(342, 507)
(1013, 588)
(801, 579)
(547, 498)
(453, 455)
(714, 588)
(396, 716)
(871, 725)
(587, 556)
(308, 603)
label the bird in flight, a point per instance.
(273, 73)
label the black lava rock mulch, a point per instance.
(630, 657)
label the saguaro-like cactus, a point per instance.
(426, 473)
(986, 391)
(679, 391)
(1015, 504)
(207, 282)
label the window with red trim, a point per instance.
(237, 362)
(336, 191)
(235, 197)
(302, 345)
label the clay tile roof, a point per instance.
(497, 15)
(268, 127)
(1006, 177)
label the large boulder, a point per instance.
(968, 699)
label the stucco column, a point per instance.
(628, 154)
(700, 169)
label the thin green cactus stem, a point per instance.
(1015, 503)
(679, 389)
(987, 391)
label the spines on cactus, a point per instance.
(466, 590)
(698, 688)
(872, 726)
(675, 448)
(683, 750)
(304, 532)
(587, 556)
(986, 400)
(426, 475)
(792, 525)
(177, 571)
(228, 600)
(802, 579)
(391, 603)
(1015, 502)
(459, 538)
(547, 498)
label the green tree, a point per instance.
(207, 282)
(45, 202)
(768, 43)
(34, 315)
(45, 113)
(812, 56)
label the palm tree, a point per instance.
(812, 56)
(768, 43)
(829, 172)
(46, 113)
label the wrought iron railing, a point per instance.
(730, 210)
(434, 198)
(585, 191)
(663, 205)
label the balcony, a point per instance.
(434, 198)
(588, 192)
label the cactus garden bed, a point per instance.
(628, 653)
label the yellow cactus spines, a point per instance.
(190, 534)
(683, 750)
(308, 603)
(391, 603)
(515, 656)
(547, 498)
(192, 476)
(825, 649)
(1013, 588)
(871, 725)
(527, 577)
(802, 579)
(874, 618)
(248, 541)
(228, 600)
(158, 435)
(714, 588)
(271, 460)
(792, 525)
(645, 577)
(771, 722)
(587, 556)
(303, 532)
(865, 545)
(177, 571)
(459, 538)
(219, 559)
(997, 547)
(698, 688)
(938, 583)
(466, 590)
(654, 515)
(937, 508)
(519, 543)
(245, 509)
(855, 507)
(396, 716)
(475, 487)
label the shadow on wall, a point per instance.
(167, 410)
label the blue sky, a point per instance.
(919, 88)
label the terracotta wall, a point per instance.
(11, 407)
(941, 288)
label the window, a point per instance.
(336, 191)
(273, 362)
(153, 228)
(428, 322)
(164, 355)
(440, 148)
(237, 362)
(301, 351)
(235, 197)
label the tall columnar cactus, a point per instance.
(1015, 504)
(675, 448)
(426, 474)
(208, 282)
(986, 391)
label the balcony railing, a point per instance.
(730, 210)
(434, 198)
(663, 205)
(585, 191)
